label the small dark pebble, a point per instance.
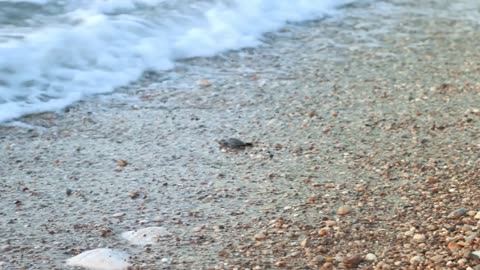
(233, 143)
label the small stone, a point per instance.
(416, 259)
(419, 238)
(471, 237)
(281, 263)
(5, 248)
(475, 255)
(204, 83)
(330, 223)
(260, 236)
(457, 213)
(370, 257)
(122, 163)
(305, 243)
(454, 247)
(477, 216)
(134, 194)
(198, 229)
(437, 258)
(323, 231)
(318, 260)
(353, 261)
(117, 215)
(432, 180)
(344, 209)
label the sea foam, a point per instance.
(94, 46)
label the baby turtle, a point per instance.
(233, 144)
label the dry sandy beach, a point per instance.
(366, 133)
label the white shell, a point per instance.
(101, 259)
(145, 236)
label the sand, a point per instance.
(376, 111)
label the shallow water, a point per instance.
(53, 53)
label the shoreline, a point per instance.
(380, 114)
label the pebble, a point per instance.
(204, 83)
(475, 255)
(471, 237)
(117, 215)
(323, 231)
(260, 236)
(416, 259)
(344, 209)
(281, 263)
(477, 216)
(305, 243)
(330, 223)
(370, 257)
(5, 248)
(353, 261)
(436, 258)
(457, 213)
(454, 247)
(419, 238)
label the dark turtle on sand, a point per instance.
(233, 144)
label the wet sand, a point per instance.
(377, 109)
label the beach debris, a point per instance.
(101, 259)
(146, 236)
(204, 83)
(233, 144)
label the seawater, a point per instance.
(56, 52)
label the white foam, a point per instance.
(146, 236)
(101, 259)
(97, 45)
